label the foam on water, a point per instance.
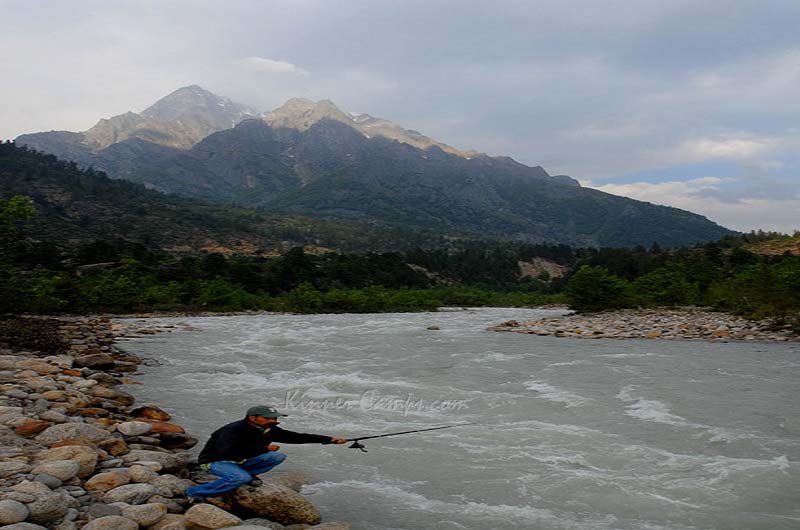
(551, 393)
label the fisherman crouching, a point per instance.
(239, 451)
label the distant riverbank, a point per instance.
(682, 323)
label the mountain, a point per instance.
(178, 120)
(314, 159)
(301, 114)
(79, 206)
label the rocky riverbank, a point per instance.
(687, 323)
(76, 452)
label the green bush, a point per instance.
(595, 289)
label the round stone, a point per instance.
(61, 469)
(65, 431)
(109, 480)
(48, 480)
(85, 456)
(142, 474)
(12, 512)
(112, 522)
(130, 493)
(8, 469)
(210, 516)
(145, 514)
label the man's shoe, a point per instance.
(256, 482)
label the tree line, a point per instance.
(123, 276)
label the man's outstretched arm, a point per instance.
(291, 437)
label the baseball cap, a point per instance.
(264, 411)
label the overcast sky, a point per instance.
(694, 104)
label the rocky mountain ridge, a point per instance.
(314, 159)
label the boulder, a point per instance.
(64, 431)
(170, 521)
(31, 428)
(49, 506)
(277, 503)
(114, 395)
(61, 469)
(209, 516)
(332, 526)
(24, 526)
(85, 456)
(169, 485)
(53, 416)
(173, 505)
(175, 440)
(109, 480)
(49, 480)
(162, 426)
(142, 474)
(55, 395)
(171, 462)
(145, 514)
(98, 510)
(93, 412)
(134, 428)
(130, 493)
(106, 379)
(8, 469)
(12, 512)
(112, 522)
(291, 479)
(96, 361)
(150, 412)
(261, 523)
(114, 446)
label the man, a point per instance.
(239, 451)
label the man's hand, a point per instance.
(338, 441)
(273, 447)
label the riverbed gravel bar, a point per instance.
(662, 324)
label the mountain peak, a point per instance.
(191, 99)
(302, 113)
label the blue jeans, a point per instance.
(231, 475)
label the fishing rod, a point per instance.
(358, 445)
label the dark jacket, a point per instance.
(239, 441)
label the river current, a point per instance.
(566, 433)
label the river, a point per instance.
(565, 434)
